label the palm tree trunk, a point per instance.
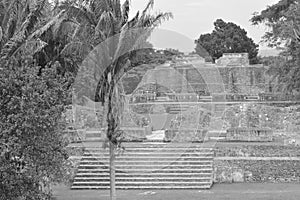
(112, 172)
(110, 134)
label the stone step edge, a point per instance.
(146, 161)
(137, 187)
(260, 158)
(141, 166)
(141, 178)
(144, 157)
(152, 153)
(151, 170)
(155, 174)
(154, 148)
(141, 183)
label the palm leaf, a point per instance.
(133, 21)
(125, 12)
(148, 7)
(99, 6)
(8, 9)
(77, 49)
(117, 9)
(99, 33)
(26, 29)
(31, 47)
(55, 20)
(81, 13)
(107, 24)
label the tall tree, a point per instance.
(283, 19)
(116, 42)
(227, 37)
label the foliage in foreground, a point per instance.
(32, 146)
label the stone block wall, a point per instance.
(272, 171)
(244, 79)
(256, 150)
(256, 163)
(185, 135)
(233, 59)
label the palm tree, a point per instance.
(122, 51)
(70, 32)
(104, 27)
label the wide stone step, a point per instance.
(166, 148)
(141, 150)
(147, 158)
(155, 145)
(152, 183)
(139, 171)
(106, 174)
(151, 153)
(142, 162)
(142, 167)
(142, 179)
(144, 187)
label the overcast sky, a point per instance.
(195, 17)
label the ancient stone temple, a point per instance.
(174, 115)
(190, 81)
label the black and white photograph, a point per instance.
(149, 99)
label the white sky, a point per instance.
(195, 17)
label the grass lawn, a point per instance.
(247, 191)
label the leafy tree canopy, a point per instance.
(283, 19)
(32, 146)
(227, 37)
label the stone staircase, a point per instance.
(148, 166)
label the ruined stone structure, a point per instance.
(183, 77)
(191, 80)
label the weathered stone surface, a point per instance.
(185, 135)
(257, 170)
(238, 176)
(233, 59)
(261, 150)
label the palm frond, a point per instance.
(31, 47)
(148, 8)
(65, 28)
(133, 21)
(24, 11)
(117, 9)
(8, 9)
(79, 12)
(99, 6)
(77, 50)
(55, 20)
(125, 12)
(26, 29)
(135, 35)
(297, 34)
(11, 27)
(154, 21)
(106, 22)
(99, 33)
